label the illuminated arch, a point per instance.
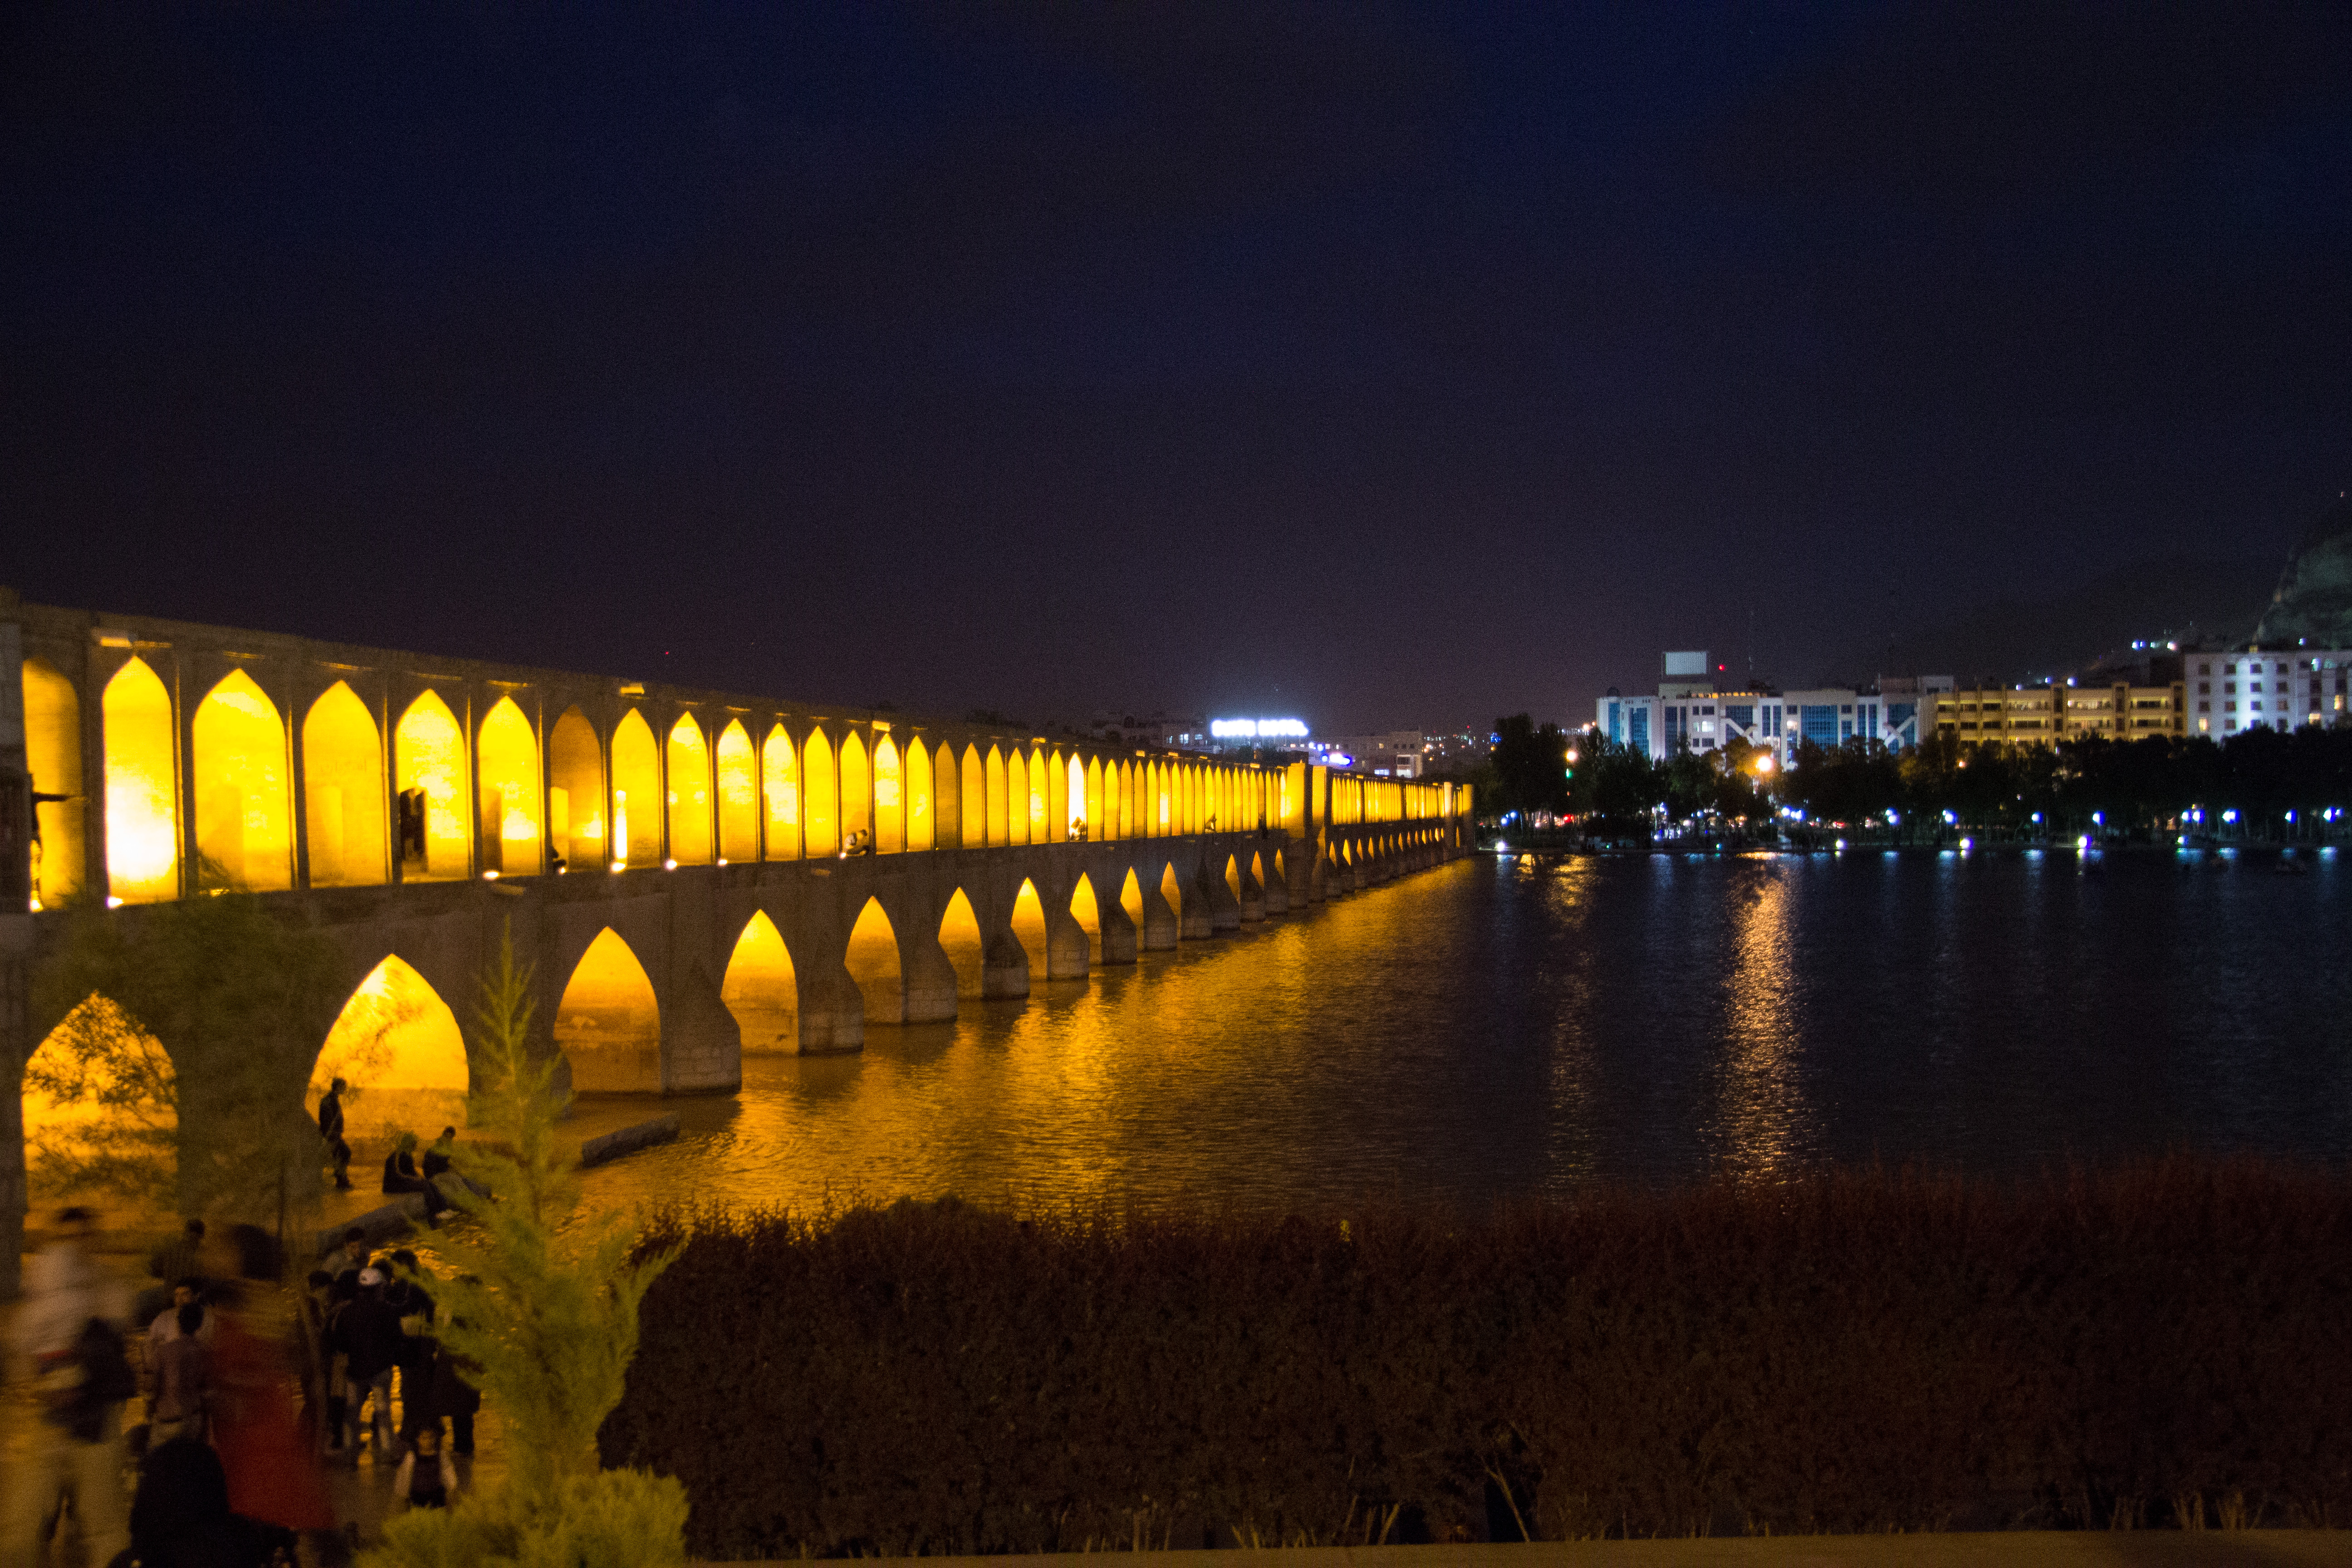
(428, 756)
(53, 756)
(1130, 899)
(1172, 890)
(1257, 870)
(575, 798)
(974, 790)
(689, 792)
(873, 964)
(959, 938)
(609, 1023)
(997, 830)
(1029, 927)
(101, 1048)
(1097, 825)
(342, 790)
(1163, 819)
(760, 989)
(856, 787)
(889, 797)
(1083, 909)
(397, 1046)
(1059, 817)
(1234, 877)
(637, 793)
(1130, 813)
(506, 768)
(1016, 796)
(780, 785)
(920, 826)
(738, 794)
(237, 772)
(1279, 875)
(948, 802)
(821, 821)
(1040, 798)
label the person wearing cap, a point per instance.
(368, 1333)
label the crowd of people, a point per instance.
(192, 1381)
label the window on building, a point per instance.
(2204, 708)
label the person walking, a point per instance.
(408, 1297)
(369, 1335)
(183, 1374)
(331, 1128)
(427, 1478)
(273, 1476)
(73, 1464)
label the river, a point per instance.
(1517, 1027)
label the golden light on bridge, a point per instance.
(142, 838)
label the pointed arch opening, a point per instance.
(873, 964)
(1041, 815)
(1171, 889)
(342, 790)
(961, 940)
(1279, 874)
(820, 819)
(575, 796)
(857, 788)
(239, 773)
(1130, 899)
(739, 795)
(779, 784)
(429, 754)
(947, 803)
(1061, 815)
(760, 990)
(1099, 825)
(637, 793)
(922, 826)
(972, 830)
(53, 756)
(506, 763)
(997, 830)
(688, 794)
(1016, 796)
(398, 1050)
(1257, 870)
(142, 828)
(1085, 910)
(609, 1023)
(889, 798)
(1029, 928)
(1234, 877)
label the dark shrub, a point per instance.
(1856, 1351)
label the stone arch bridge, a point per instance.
(691, 874)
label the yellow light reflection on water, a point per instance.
(1761, 1123)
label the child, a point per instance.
(426, 1478)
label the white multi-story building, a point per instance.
(1391, 754)
(2279, 689)
(1698, 716)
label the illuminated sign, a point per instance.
(1258, 729)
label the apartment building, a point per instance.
(2279, 689)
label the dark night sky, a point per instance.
(1390, 365)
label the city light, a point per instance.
(1764, 763)
(1258, 729)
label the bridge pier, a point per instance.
(1118, 933)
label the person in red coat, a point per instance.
(273, 1476)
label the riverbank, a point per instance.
(2158, 1345)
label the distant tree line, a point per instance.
(2262, 785)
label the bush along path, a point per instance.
(2157, 1346)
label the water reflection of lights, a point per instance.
(1761, 1120)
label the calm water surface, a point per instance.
(1510, 1028)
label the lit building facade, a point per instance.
(2279, 689)
(1777, 722)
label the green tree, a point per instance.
(1530, 767)
(184, 1035)
(546, 1308)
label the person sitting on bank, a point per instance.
(437, 1156)
(399, 1172)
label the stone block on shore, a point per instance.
(627, 1141)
